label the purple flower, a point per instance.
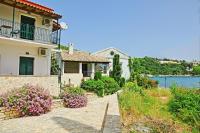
(28, 100)
(75, 101)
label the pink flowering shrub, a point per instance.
(75, 101)
(28, 100)
(74, 97)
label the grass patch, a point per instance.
(185, 105)
(149, 109)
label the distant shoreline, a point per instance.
(173, 75)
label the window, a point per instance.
(26, 66)
(101, 67)
(71, 67)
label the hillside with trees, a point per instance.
(152, 66)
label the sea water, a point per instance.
(183, 81)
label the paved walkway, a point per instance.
(112, 119)
(65, 120)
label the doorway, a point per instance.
(85, 70)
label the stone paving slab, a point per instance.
(61, 120)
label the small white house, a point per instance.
(79, 65)
(109, 54)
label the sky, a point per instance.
(156, 28)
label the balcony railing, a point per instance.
(27, 32)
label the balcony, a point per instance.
(27, 32)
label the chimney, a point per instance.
(71, 48)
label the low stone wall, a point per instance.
(8, 114)
(11, 82)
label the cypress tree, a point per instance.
(116, 73)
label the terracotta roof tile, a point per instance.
(48, 11)
(81, 56)
(36, 5)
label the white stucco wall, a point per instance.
(123, 59)
(10, 52)
(75, 78)
(11, 48)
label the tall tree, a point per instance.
(117, 70)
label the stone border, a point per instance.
(8, 114)
(112, 120)
(104, 119)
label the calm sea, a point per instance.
(184, 81)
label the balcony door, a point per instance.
(27, 28)
(26, 66)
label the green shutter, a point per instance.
(26, 66)
(27, 28)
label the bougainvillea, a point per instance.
(28, 100)
(74, 97)
(75, 101)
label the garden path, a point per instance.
(64, 120)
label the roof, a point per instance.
(36, 5)
(30, 6)
(80, 56)
(113, 49)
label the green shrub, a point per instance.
(98, 76)
(185, 105)
(130, 84)
(143, 81)
(54, 65)
(102, 87)
(110, 85)
(146, 83)
(96, 86)
(133, 87)
(1, 101)
(196, 70)
(73, 91)
(122, 82)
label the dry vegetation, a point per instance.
(149, 111)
